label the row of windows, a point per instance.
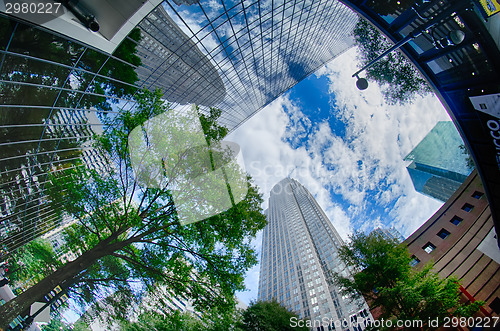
(443, 233)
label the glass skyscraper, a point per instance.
(389, 234)
(239, 55)
(439, 164)
(299, 254)
(234, 55)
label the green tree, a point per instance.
(173, 322)
(32, 262)
(56, 324)
(154, 312)
(468, 158)
(131, 234)
(186, 321)
(268, 316)
(400, 80)
(382, 274)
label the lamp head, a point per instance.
(362, 83)
(456, 37)
(93, 26)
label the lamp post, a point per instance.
(454, 38)
(362, 83)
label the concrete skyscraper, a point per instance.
(299, 253)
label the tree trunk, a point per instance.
(63, 276)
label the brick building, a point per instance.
(461, 241)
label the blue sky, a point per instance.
(345, 146)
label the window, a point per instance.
(429, 248)
(467, 207)
(443, 234)
(477, 195)
(414, 261)
(495, 305)
(456, 220)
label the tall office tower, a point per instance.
(299, 252)
(186, 76)
(439, 164)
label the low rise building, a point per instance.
(460, 240)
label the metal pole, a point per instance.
(409, 37)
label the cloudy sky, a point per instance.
(346, 147)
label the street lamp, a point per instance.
(361, 83)
(454, 38)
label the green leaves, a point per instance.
(128, 238)
(32, 262)
(383, 275)
(132, 234)
(164, 322)
(268, 316)
(400, 80)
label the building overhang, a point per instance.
(115, 18)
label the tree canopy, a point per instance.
(400, 80)
(130, 235)
(382, 274)
(170, 322)
(32, 262)
(269, 316)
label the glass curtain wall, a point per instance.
(234, 55)
(299, 256)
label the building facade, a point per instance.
(233, 55)
(389, 234)
(187, 76)
(460, 239)
(439, 163)
(299, 253)
(238, 56)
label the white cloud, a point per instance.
(363, 167)
(380, 135)
(269, 159)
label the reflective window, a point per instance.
(467, 207)
(443, 234)
(428, 248)
(456, 220)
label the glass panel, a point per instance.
(92, 60)
(467, 207)
(21, 69)
(456, 220)
(477, 195)
(443, 234)
(6, 28)
(429, 248)
(33, 42)
(15, 94)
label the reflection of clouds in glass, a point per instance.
(261, 49)
(172, 62)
